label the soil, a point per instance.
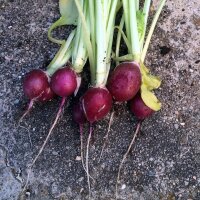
(164, 163)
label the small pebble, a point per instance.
(151, 159)
(78, 158)
(55, 153)
(16, 101)
(123, 186)
(81, 179)
(176, 126)
(81, 190)
(186, 183)
(28, 194)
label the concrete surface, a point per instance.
(165, 161)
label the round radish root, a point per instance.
(35, 84)
(64, 82)
(36, 87)
(78, 114)
(139, 109)
(125, 81)
(97, 103)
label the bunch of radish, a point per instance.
(131, 79)
(62, 77)
(92, 39)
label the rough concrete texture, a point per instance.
(165, 161)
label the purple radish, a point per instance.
(97, 103)
(64, 82)
(125, 81)
(35, 83)
(139, 109)
(36, 87)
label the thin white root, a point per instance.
(87, 162)
(27, 180)
(46, 140)
(124, 158)
(30, 105)
(82, 157)
(107, 134)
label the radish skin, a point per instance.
(125, 81)
(97, 103)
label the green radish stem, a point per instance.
(127, 18)
(146, 9)
(98, 52)
(137, 4)
(134, 32)
(110, 32)
(128, 57)
(119, 35)
(87, 41)
(101, 44)
(56, 24)
(62, 55)
(139, 47)
(153, 25)
(121, 32)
